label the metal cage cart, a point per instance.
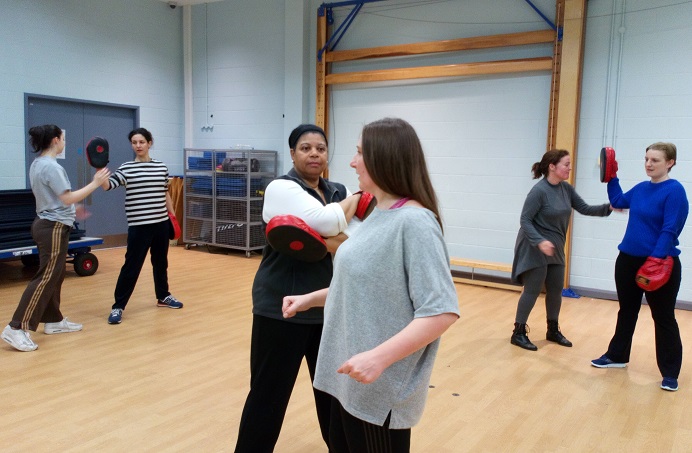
(223, 195)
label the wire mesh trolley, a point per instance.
(223, 195)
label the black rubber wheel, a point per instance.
(30, 260)
(86, 264)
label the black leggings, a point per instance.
(349, 434)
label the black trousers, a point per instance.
(40, 301)
(349, 434)
(662, 305)
(141, 239)
(276, 353)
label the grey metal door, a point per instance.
(82, 121)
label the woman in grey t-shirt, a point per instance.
(391, 298)
(50, 230)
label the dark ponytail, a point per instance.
(42, 136)
(551, 157)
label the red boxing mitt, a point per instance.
(609, 166)
(173, 226)
(291, 236)
(366, 204)
(654, 273)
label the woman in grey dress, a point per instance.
(539, 253)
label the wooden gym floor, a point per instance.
(175, 380)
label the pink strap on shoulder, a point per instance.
(400, 202)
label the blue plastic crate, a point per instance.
(226, 185)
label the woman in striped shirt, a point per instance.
(147, 204)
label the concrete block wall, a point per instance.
(253, 69)
(119, 52)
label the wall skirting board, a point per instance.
(610, 295)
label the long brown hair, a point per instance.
(395, 161)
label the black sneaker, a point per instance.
(605, 362)
(670, 384)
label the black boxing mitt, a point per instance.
(290, 235)
(609, 166)
(654, 273)
(97, 152)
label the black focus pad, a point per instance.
(97, 152)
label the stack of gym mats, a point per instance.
(17, 213)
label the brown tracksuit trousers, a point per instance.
(41, 299)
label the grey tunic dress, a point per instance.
(545, 216)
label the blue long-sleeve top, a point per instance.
(658, 212)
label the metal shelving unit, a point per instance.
(223, 194)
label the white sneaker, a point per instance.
(63, 326)
(18, 339)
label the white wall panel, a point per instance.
(239, 72)
(649, 96)
(98, 50)
(481, 134)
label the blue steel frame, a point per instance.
(333, 41)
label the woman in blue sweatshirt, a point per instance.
(657, 213)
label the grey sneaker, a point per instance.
(18, 339)
(63, 326)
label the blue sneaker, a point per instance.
(170, 302)
(670, 384)
(605, 362)
(116, 316)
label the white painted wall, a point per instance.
(238, 74)
(253, 69)
(637, 90)
(482, 134)
(122, 52)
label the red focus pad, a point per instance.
(291, 236)
(173, 226)
(97, 152)
(654, 273)
(365, 206)
(609, 166)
